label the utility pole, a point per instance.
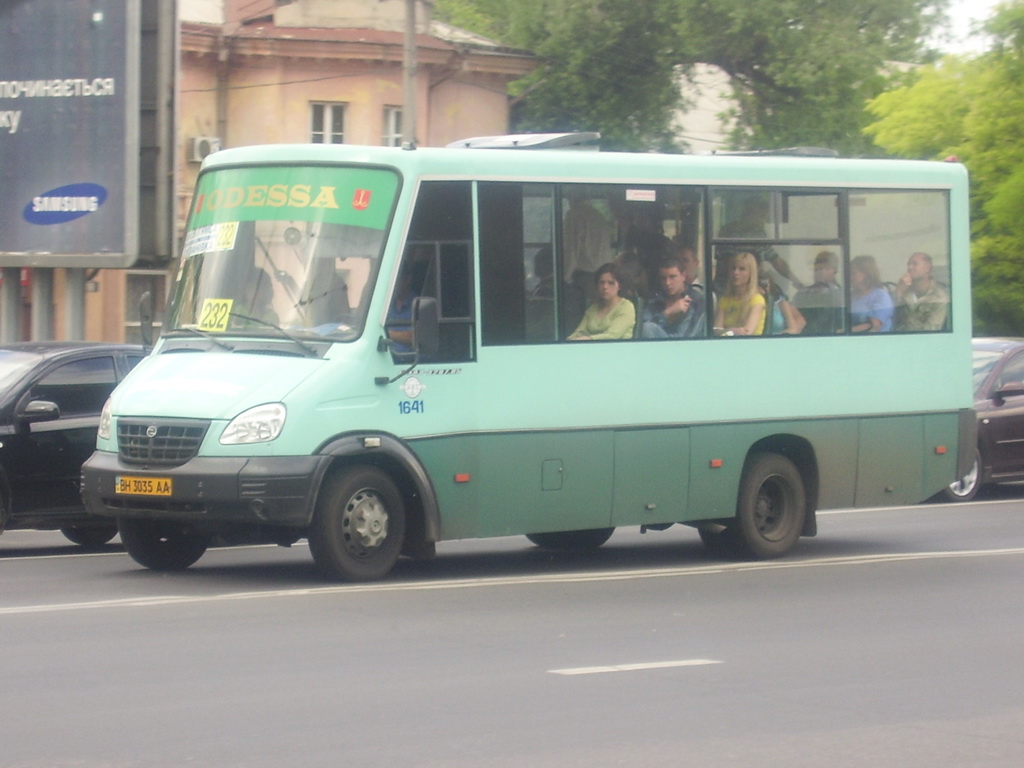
(409, 76)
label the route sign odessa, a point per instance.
(69, 147)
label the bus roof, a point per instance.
(553, 165)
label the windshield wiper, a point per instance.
(203, 334)
(311, 352)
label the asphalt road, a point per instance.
(895, 638)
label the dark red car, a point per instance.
(999, 401)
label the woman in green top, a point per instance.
(611, 316)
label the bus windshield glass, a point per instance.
(287, 248)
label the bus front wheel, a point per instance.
(358, 525)
(161, 546)
(771, 506)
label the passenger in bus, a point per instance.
(646, 238)
(922, 304)
(677, 309)
(544, 271)
(871, 307)
(611, 316)
(692, 264)
(754, 223)
(821, 303)
(540, 302)
(399, 322)
(258, 298)
(741, 308)
(783, 318)
(635, 276)
(587, 240)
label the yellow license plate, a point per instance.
(143, 486)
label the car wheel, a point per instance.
(572, 541)
(771, 506)
(89, 536)
(966, 488)
(358, 526)
(161, 546)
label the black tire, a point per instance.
(572, 541)
(719, 539)
(5, 499)
(161, 546)
(91, 536)
(771, 506)
(358, 526)
(966, 488)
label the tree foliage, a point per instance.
(972, 109)
(605, 65)
(801, 69)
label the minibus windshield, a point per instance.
(292, 249)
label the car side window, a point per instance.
(79, 387)
(1013, 372)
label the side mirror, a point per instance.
(146, 320)
(425, 325)
(39, 410)
(1008, 390)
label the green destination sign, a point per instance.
(341, 195)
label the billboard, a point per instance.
(69, 132)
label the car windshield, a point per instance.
(291, 249)
(983, 362)
(13, 366)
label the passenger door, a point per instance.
(1006, 421)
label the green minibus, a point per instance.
(377, 349)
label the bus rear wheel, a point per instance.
(771, 506)
(161, 546)
(572, 541)
(358, 526)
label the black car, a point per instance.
(51, 395)
(998, 368)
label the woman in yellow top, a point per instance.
(611, 316)
(741, 309)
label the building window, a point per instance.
(327, 123)
(392, 127)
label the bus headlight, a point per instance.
(105, 420)
(259, 424)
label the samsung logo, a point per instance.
(65, 204)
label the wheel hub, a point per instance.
(769, 499)
(366, 521)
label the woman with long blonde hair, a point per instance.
(741, 309)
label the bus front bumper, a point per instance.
(255, 490)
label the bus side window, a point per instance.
(517, 266)
(442, 235)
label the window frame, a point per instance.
(325, 130)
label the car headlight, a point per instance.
(105, 421)
(259, 424)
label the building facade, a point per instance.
(297, 71)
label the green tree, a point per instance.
(803, 69)
(972, 109)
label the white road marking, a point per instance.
(504, 581)
(633, 667)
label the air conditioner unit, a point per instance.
(201, 146)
